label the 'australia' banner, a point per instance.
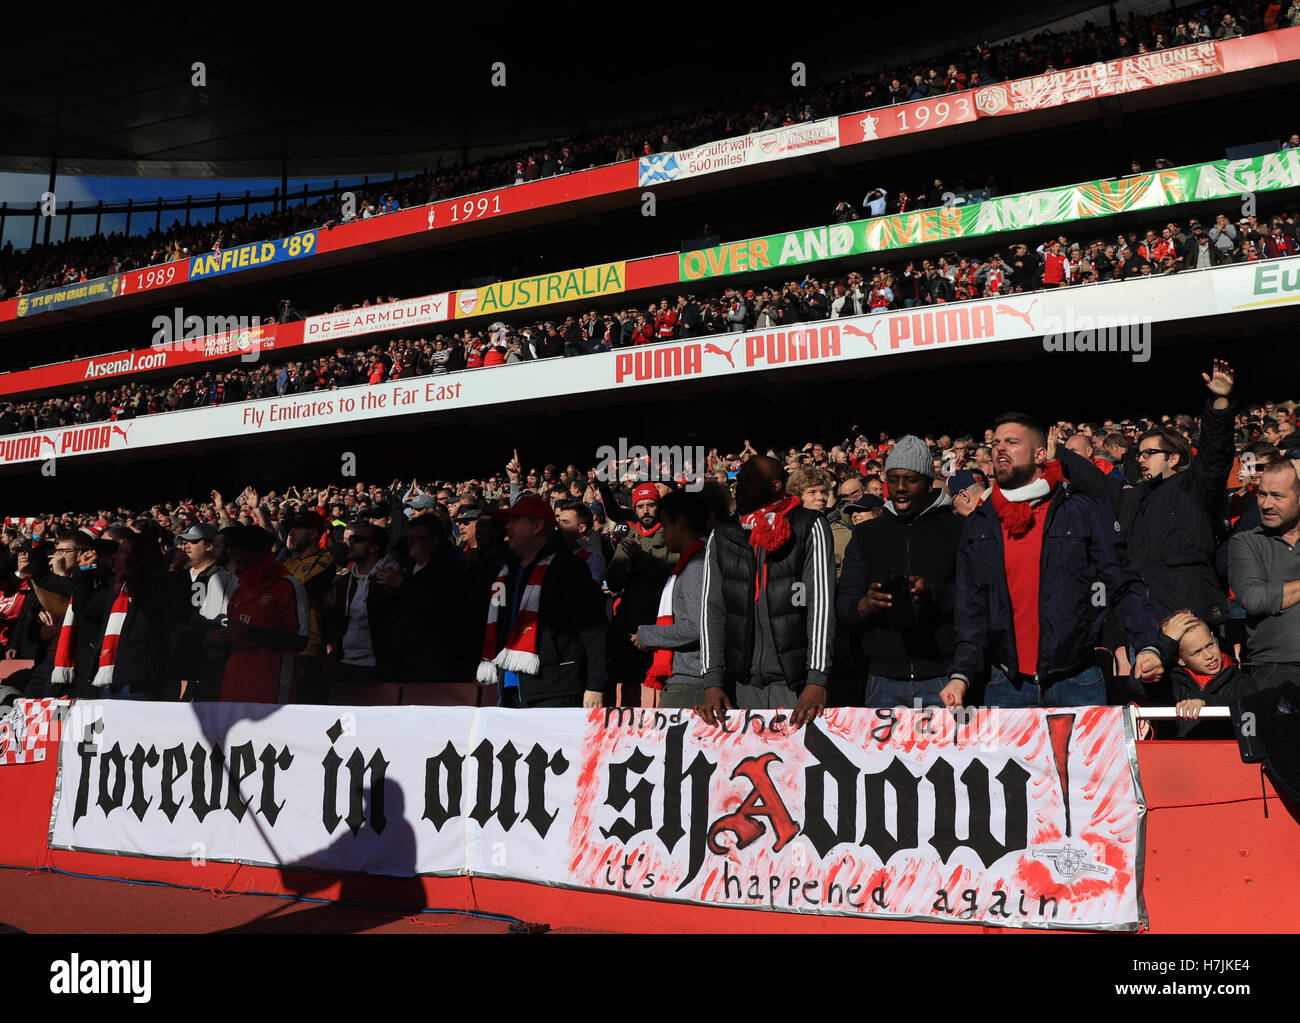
(1020, 818)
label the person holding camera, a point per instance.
(37, 631)
(897, 583)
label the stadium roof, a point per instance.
(358, 94)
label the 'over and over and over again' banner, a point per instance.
(1018, 818)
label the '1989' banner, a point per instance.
(1020, 818)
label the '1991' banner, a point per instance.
(1018, 818)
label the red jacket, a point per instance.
(666, 323)
(1053, 269)
(1278, 245)
(267, 598)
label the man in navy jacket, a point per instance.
(1036, 568)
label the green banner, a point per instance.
(1218, 180)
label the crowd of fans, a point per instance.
(1058, 262)
(79, 259)
(943, 569)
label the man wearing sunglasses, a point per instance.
(1169, 520)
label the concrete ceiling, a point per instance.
(396, 90)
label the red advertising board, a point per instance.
(484, 206)
(907, 118)
(151, 277)
(652, 272)
(245, 344)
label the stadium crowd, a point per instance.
(46, 266)
(874, 571)
(1160, 250)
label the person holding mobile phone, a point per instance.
(897, 584)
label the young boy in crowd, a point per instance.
(1204, 676)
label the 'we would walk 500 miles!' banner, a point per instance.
(1020, 818)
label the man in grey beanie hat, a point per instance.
(898, 581)
(913, 454)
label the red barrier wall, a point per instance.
(1221, 851)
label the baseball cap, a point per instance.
(597, 507)
(423, 503)
(528, 506)
(204, 531)
(964, 478)
(865, 502)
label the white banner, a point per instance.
(741, 151)
(1121, 304)
(411, 312)
(1021, 818)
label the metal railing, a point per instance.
(280, 200)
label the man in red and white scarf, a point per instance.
(675, 636)
(1037, 566)
(544, 644)
(637, 572)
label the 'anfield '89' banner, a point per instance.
(1011, 818)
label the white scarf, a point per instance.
(1034, 491)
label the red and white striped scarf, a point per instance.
(662, 666)
(520, 652)
(65, 653)
(112, 633)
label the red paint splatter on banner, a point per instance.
(850, 878)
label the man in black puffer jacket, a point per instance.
(768, 626)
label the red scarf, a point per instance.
(648, 532)
(1205, 680)
(520, 652)
(768, 526)
(1018, 516)
(662, 666)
